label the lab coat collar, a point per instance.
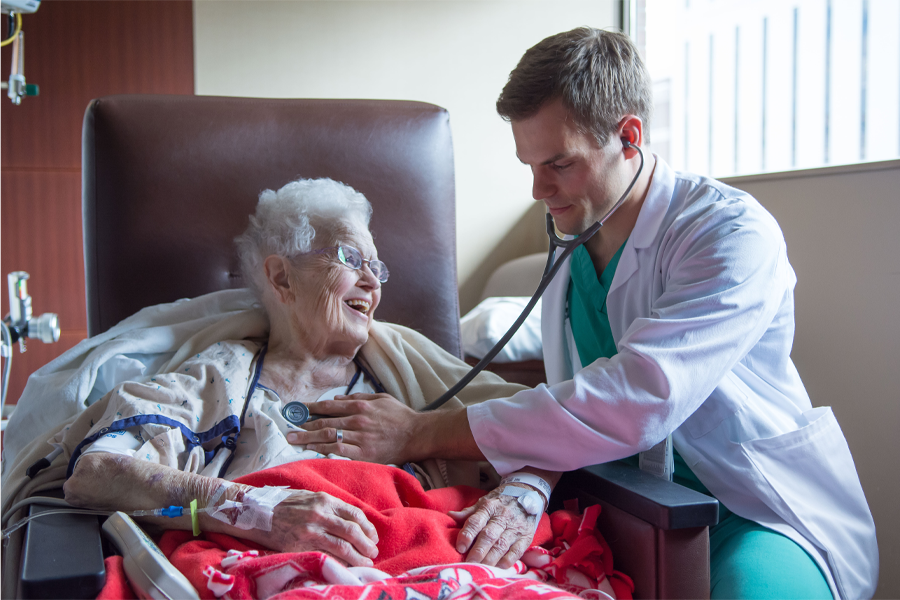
(655, 206)
(646, 228)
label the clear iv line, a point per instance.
(169, 511)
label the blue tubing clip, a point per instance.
(172, 511)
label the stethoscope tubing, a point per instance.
(550, 270)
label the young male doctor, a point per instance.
(677, 318)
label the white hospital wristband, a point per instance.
(532, 480)
(531, 501)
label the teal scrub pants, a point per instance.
(749, 561)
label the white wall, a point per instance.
(840, 225)
(454, 54)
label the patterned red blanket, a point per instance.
(417, 556)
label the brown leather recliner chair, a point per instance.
(170, 180)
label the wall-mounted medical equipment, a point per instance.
(16, 88)
(20, 324)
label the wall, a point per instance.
(454, 54)
(75, 51)
(840, 224)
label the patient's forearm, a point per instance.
(114, 482)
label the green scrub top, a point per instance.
(587, 306)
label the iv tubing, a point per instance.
(9, 40)
(56, 511)
(33, 500)
(65, 507)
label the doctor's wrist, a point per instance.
(422, 443)
(444, 434)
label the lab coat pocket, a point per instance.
(808, 478)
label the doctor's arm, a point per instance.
(713, 289)
(379, 428)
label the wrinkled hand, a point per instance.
(315, 521)
(500, 528)
(377, 428)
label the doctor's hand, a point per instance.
(374, 428)
(315, 521)
(497, 531)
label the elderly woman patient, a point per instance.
(311, 261)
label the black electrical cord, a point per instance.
(10, 25)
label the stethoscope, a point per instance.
(297, 413)
(550, 270)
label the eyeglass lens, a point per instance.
(351, 257)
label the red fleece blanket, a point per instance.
(416, 549)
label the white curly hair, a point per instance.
(287, 221)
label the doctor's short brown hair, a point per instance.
(598, 75)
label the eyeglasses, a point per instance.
(352, 258)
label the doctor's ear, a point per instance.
(631, 132)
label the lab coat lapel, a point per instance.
(557, 362)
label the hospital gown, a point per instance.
(157, 420)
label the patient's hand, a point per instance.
(315, 521)
(500, 528)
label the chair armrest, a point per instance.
(663, 504)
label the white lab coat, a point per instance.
(701, 308)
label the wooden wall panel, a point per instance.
(75, 51)
(42, 212)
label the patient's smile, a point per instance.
(359, 305)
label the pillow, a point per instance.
(484, 325)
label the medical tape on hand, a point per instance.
(532, 480)
(530, 501)
(252, 509)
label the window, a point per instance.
(772, 85)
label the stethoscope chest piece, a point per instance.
(295, 413)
